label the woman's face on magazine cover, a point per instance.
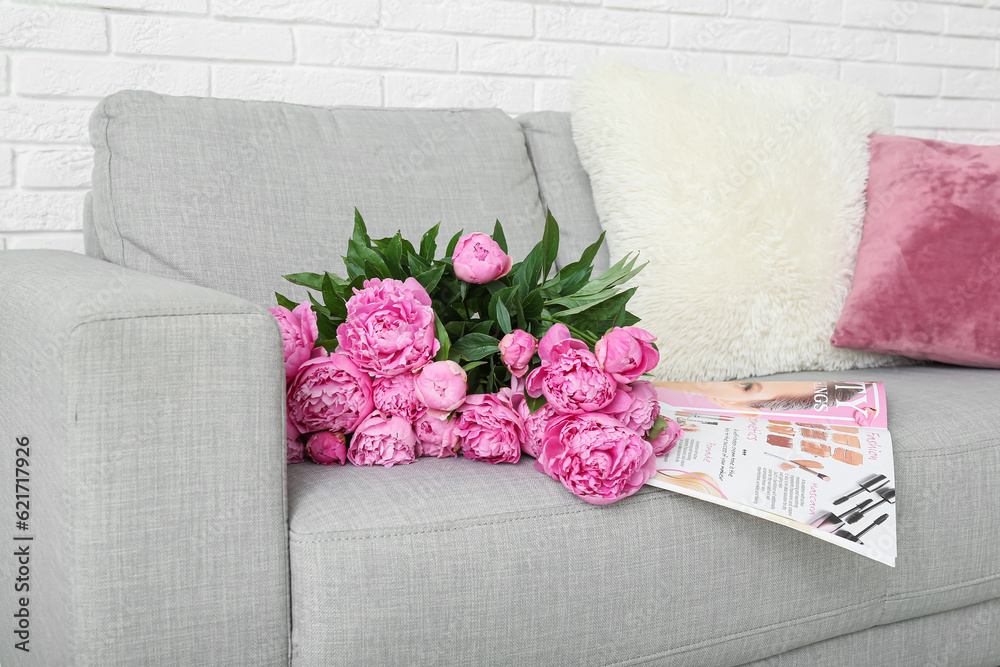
(741, 394)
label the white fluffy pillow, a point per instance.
(746, 196)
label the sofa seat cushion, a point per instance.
(232, 195)
(461, 562)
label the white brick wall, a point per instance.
(938, 61)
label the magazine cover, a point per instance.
(814, 456)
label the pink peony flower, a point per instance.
(329, 394)
(570, 378)
(295, 450)
(556, 334)
(534, 426)
(667, 438)
(488, 429)
(441, 386)
(396, 396)
(627, 353)
(433, 437)
(389, 328)
(516, 350)
(595, 457)
(327, 448)
(298, 336)
(635, 406)
(478, 259)
(382, 440)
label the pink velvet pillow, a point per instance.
(927, 282)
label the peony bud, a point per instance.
(441, 385)
(327, 448)
(478, 259)
(516, 350)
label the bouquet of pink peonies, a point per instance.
(414, 356)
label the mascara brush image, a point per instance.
(825, 478)
(871, 484)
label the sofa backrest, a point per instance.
(563, 184)
(232, 195)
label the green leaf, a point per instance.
(455, 328)
(535, 403)
(417, 263)
(529, 271)
(408, 248)
(550, 243)
(522, 320)
(354, 270)
(630, 319)
(394, 255)
(601, 310)
(285, 301)
(532, 306)
(499, 237)
(658, 425)
(475, 346)
(475, 364)
(334, 301)
(368, 256)
(622, 271)
(448, 290)
(430, 278)
(330, 345)
(373, 271)
(428, 243)
(586, 260)
(503, 318)
(498, 309)
(310, 280)
(452, 243)
(327, 329)
(442, 336)
(483, 327)
(576, 303)
(575, 281)
(318, 307)
(619, 318)
(360, 230)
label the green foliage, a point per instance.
(470, 319)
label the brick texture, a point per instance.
(75, 76)
(938, 63)
(54, 167)
(6, 166)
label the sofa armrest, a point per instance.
(154, 417)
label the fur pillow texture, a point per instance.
(747, 198)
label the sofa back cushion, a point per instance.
(563, 184)
(232, 195)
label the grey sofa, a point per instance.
(168, 530)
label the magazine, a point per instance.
(815, 456)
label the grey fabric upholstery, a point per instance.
(966, 637)
(232, 195)
(458, 562)
(563, 184)
(91, 244)
(154, 411)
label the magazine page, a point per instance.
(816, 457)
